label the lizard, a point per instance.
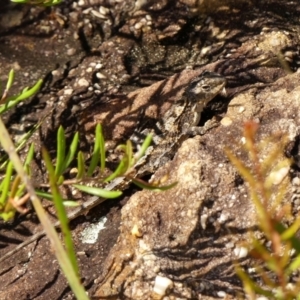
(179, 122)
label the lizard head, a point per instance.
(205, 87)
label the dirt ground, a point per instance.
(100, 58)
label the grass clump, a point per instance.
(16, 186)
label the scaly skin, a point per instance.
(181, 121)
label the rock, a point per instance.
(172, 240)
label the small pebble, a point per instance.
(83, 82)
(221, 294)
(240, 252)
(161, 285)
(226, 121)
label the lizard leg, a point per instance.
(201, 130)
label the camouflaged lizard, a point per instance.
(179, 122)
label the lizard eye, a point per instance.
(206, 88)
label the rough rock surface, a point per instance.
(178, 234)
(165, 233)
(115, 61)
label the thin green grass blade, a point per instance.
(102, 148)
(72, 151)
(61, 212)
(44, 195)
(29, 156)
(80, 166)
(121, 169)
(14, 100)
(7, 209)
(144, 147)
(21, 190)
(96, 153)
(60, 180)
(16, 190)
(294, 265)
(52, 2)
(289, 234)
(38, 2)
(1, 186)
(6, 184)
(66, 202)
(144, 185)
(71, 203)
(9, 83)
(21, 143)
(11, 77)
(129, 155)
(61, 152)
(98, 192)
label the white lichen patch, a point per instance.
(90, 234)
